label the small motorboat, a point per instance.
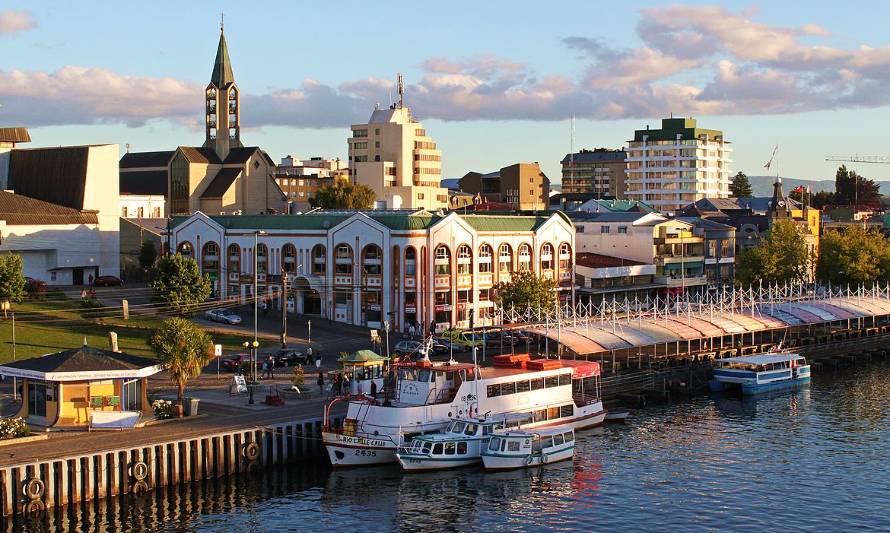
(616, 417)
(526, 448)
(756, 374)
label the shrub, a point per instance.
(13, 428)
(163, 409)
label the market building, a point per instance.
(367, 267)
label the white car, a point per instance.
(223, 315)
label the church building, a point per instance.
(220, 177)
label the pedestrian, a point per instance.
(90, 279)
(433, 327)
(320, 382)
(265, 308)
(271, 363)
(411, 331)
(265, 369)
(338, 383)
(374, 389)
(347, 386)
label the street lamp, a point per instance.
(256, 300)
(253, 347)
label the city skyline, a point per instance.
(763, 75)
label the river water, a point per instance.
(815, 459)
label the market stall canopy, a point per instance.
(363, 356)
(82, 364)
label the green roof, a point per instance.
(505, 222)
(363, 356)
(671, 127)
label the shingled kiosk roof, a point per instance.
(82, 363)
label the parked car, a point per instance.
(108, 281)
(223, 315)
(446, 347)
(290, 358)
(406, 347)
(234, 362)
(464, 338)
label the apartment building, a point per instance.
(601, 172)
(522, 186)
(366, 267)
(677, 164)
(393, 155)
(301, 179)
(673, 246)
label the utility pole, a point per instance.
(283, 305)
(14, 380)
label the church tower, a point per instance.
(222, 105)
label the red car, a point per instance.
(233, 362)
(108, 281)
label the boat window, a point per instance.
(565, 411)
(503, 445)
(458, 427)
(558, 439)
(569, 436)
(508, 388)
(424, 375)
(540, 415)
(552, 412)
(462, 447)
(513, 446)
(546, 442)
(494, 390)
(495, 444)
(471, 429)
(449, 448)
(565, 379)
(427, 446)
(522, 386)
(537, 383)
(552, 381)
(408, 374)
(437, 449)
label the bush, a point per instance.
(13, 428)
(163, 409)
(35, 288)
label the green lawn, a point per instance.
(55, 323)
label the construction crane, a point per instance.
(879, 159)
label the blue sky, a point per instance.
(494, 82)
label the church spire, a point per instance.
(222, 67)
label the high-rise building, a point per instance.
(301, 179)
(678, 164)
(393, 155)
(523, 186)
(600, 172)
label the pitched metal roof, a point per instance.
(595, 156)
(240, 154)
(56, 174)
(15, 135)
(146, 159)
(222, 67)
(221, 182)
(18, 210)
(197, 154)
(504, 222)
(153, 182)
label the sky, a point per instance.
(493, 82)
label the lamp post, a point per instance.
(251, 345)
(256, 300)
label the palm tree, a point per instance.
(184, 349)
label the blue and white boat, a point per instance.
(755, 374)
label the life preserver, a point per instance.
(139, 471)
(33, 506)
(251, 451)
(33, 488)
(529, 460)
(139, 487)
(544, 458)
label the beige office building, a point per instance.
(393, 155)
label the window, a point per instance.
(462, 447)
(508, 388)
(437, 449)
(565, 379)
(131, 395)
(537, 384)
(262, 259)
(289, 258)
(464, 260)
(552, 381)
(558, 440)
(505, 258)
(525, 257)
(410, 261)
(234, 259)
(156, 212)
(37, 391)
(493, 391)
(566, 411)
(124, 212)
(140, 212)
(185, 249)
(343, 259)
(622, 229)
(522, 386)
(319, 260)
(513, 446)
(450, 448)
(547, 256)
(604, 229)
(485, 254)
(373, 259)
(420, 196)
(443, 261)
(565, 257)
(495, 444)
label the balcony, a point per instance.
(464, 280)
(486, 280)
(670, 259)
(373, 280)
(680, 281)
(342, 279)
(410, 282)
(442, 281)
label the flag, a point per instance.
(799, 188)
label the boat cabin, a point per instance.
(424, 383)
(461, 431)
(762, 363)
(530, 442)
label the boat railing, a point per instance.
(581, 399)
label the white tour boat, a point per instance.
(755, 374)
(525, 448)
(426, 396)
(460, 445)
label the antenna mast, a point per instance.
(572, 154)
(401, 84)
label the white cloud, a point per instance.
(15, 21)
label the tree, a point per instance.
(740, 186)
(853, 189)
(817, 200)
(527, 290)
(854, 256)
(779, 257)
(147, 254)
(344, 196)
(12, 281)
(179, 283)
(184, 349)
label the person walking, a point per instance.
(320, 382)
(411, 331)
(271, 363)
(374, 389)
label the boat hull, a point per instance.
(513, 462)
(416, 463)
(751, 389)
(344, 450)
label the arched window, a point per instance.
(372, 262)
(485, 254)
(443, 261)
(525, 257)
(234, 259)
(210, 257)
(262, 259)
(319, 260)
(565, 257)
(410, 261)
(547, 256)
(505, 258)
(343, 259)
(289, 258)
(185, 249)
(464, 259)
